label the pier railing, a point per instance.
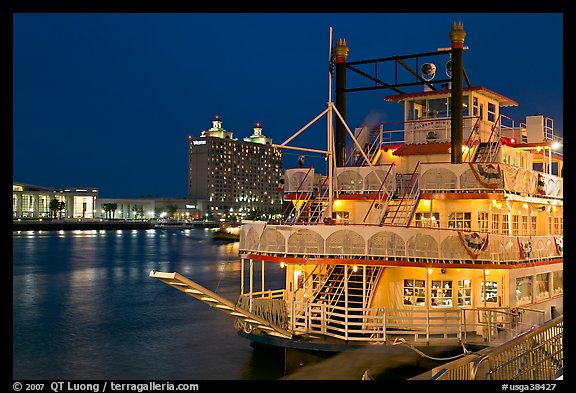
(534, 355)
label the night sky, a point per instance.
(108, 100)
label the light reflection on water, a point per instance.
(85, 308)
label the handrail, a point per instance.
(493, 151)
(297, 191)
(470, 142)
(388, 194)
(318, 197)
(404, 196)
(515, 354)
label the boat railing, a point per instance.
(266, 294)
(381, 196)
(502, 322)
(374, 325)
(536, 354)
(365, 242)
(473, 141)
(303, 192)
(379, 325)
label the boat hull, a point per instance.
(319, 358)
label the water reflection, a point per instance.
(85, 308)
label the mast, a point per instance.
(330, 131)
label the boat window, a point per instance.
(460, 220)
(414, 110)
(482, 221)
(441, 293)
(465, 105)
(523, 290)
(414, 292)
(475, 108)
(464, 293)
(427, 219)
(558, 225)
(557, 282)
(495, 223)
(515, 225)
(533, 225)
(491, 112)
(505, 224)
(524, 225)
(438, 108)
(341, 217)
(490, 292)
(542, 286)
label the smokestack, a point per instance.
(341, 55)
(457, 36)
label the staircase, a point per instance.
(332, 293)
(399, 211)
(486, 152)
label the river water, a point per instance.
(84, 308)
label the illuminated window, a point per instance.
(428, 219)
(542, 286)
(483, 222)
(557, 282)
(515, 220)
(490, 292)
(464, 293)
(523, 290)
(441, 293)
(524, 225)
(495, 223)
(505, 225)
(459, 220)
(415, 292)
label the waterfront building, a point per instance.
(233, 178)
(147, 208)
(33, 202)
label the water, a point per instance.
(85, 308)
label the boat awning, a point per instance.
(502, 100)
(214, 300)
(423, 148)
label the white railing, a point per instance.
(367, 242)
(377, 325)
(374, 325)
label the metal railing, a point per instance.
(534, 355)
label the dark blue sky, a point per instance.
(108, 100)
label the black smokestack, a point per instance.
(457, 36)
(340, 140)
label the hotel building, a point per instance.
(232, 177)
(30, 201)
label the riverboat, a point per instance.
(444, 230)
(227, 234)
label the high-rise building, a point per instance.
(232, 178)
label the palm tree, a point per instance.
(61, 206)
(54, 206)
(107, 208)
(113, 207)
